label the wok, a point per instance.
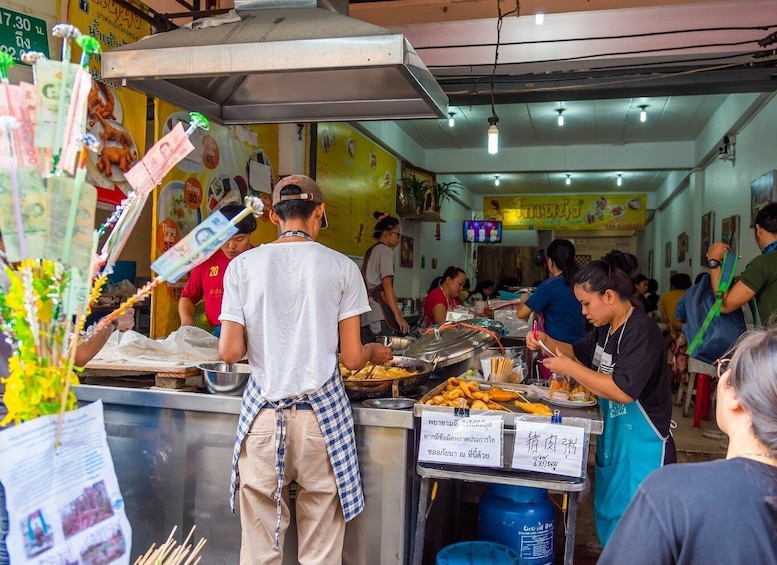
(358, 389)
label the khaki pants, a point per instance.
(320, 522)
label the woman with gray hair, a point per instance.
(722, 511)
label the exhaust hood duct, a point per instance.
(287, 61)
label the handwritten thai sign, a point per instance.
(549, 448)
(446, 438)
(569, 212)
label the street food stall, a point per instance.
(172, 448)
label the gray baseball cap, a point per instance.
(309, 190)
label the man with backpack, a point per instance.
(759, 279)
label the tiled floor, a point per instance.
(692, 446)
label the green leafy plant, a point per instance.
(445, 191)
(415, 188)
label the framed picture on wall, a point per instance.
(405, 251)
(668, 254)
(707, 234)
(762, 191)
(682, 247)
(729, 232)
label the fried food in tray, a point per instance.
(372, 371)
(460, 393)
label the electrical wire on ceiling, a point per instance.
(622, 53)
(652, 76)
(609, 37)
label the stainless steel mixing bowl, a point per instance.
(225, 378)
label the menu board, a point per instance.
(357, 177)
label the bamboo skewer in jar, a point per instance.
(501, 367)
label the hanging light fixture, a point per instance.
(493, 131)
(643, 113)
(560, 116)
(493, 135)
(569, 179)
(496, 180)
(451, 121)
(619, 182)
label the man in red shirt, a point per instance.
(206, 281)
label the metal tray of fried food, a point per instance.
(511, 411)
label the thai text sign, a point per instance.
(446, 438)
(20, 33)
(568, 212)
(549, 448)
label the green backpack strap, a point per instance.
(726, 276)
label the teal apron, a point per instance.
(627, 451)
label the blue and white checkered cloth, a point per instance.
(333, 412)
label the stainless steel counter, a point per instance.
(173, 451)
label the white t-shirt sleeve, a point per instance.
(232, 302)
(354, 301)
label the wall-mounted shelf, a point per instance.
(426, 216)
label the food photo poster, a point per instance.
(226, 164)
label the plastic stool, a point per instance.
(477, 552)
(702, 409)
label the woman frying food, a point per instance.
(623, 362)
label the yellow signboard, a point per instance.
(568, 212)
(227, 163)
(358, 177)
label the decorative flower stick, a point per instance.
(9, 123)
(88, 143)
(76, 112)
(7, 62)
(67, 32)
(254, 206)
(143, 177)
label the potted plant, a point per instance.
(415, 188)
(443, 191)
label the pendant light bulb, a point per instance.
(569, 179)
(643, 113)
(496, 180)
(619, 182)
(493, 135)
(451, 121)
(560, 116)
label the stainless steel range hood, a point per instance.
(293, 62)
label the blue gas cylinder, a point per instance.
(476, 553)
(522, 518)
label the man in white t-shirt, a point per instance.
(287, 304)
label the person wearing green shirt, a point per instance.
(759, 279)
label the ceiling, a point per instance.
(680, 61)
(586, 122)
(599, 61)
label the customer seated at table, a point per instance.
(555, 298)
(722, 511)
(483, 291)
(443, 298)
